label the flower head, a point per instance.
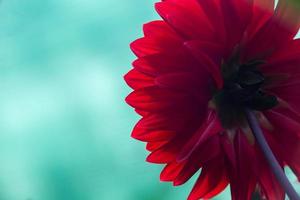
(197, 70)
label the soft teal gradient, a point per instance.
(64, 126)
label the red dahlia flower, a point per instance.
(197, 72)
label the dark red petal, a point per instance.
(190, 5)
(189, 82)
(267, 5)
(284, 60)
(171, 171)
(286, 133)
(144, 46)
(152, 45)
(209, 128)
(242, 180)
(169, 152)
(284, 65)
(179, 80)
(283, 124)
(136, 79)
(229, 151)
(212, 49)
(141, 112)
(283, 69)
(290, 94)
(152, 146)
(188, 23)
(206, 152)
(155, 99)
(209, 9)
(154, 135)
(269, 185)
(175, 120)
(212, 180)
(213, 12)
(205, 62)
(165, 154)
(262, 12)
(237, 15)
(268, 182)
(157, 64)
(159, 29)
(186, 173)
(285, 23)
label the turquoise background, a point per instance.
(64, 126)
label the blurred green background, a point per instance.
(64, 126)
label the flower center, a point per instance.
(242, 89)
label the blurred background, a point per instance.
(64, 126)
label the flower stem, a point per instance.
(275, 167)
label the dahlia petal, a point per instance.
(284, 80)
(154, 135)
(289, 93)
(191, 5)
(262, 12)
(275, 146)
(218, 188)
(165, 154)
(144, 46)
(286, 111)
(209, 9)
(284, 58)
(236, 15)
(136, 79)
(285, 23)
(152, 45)
(181, 80)
(283, 123)
(188, 24)
(141, 112)
(157, 64)
(229, 151)
(205, 62)
(212, 10)
(186, 173)
(168, 152)
(158, 121)
(269, 184)
(152, 122)
(154, 99)
(286, 133)
(171, 171)
(206, 152)
(244, 183)
(152, 146)
(213, 50)
(265, 4)
(159, 29)
(290, 48)
(209, 128)
(212, 180)
(197, 85)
